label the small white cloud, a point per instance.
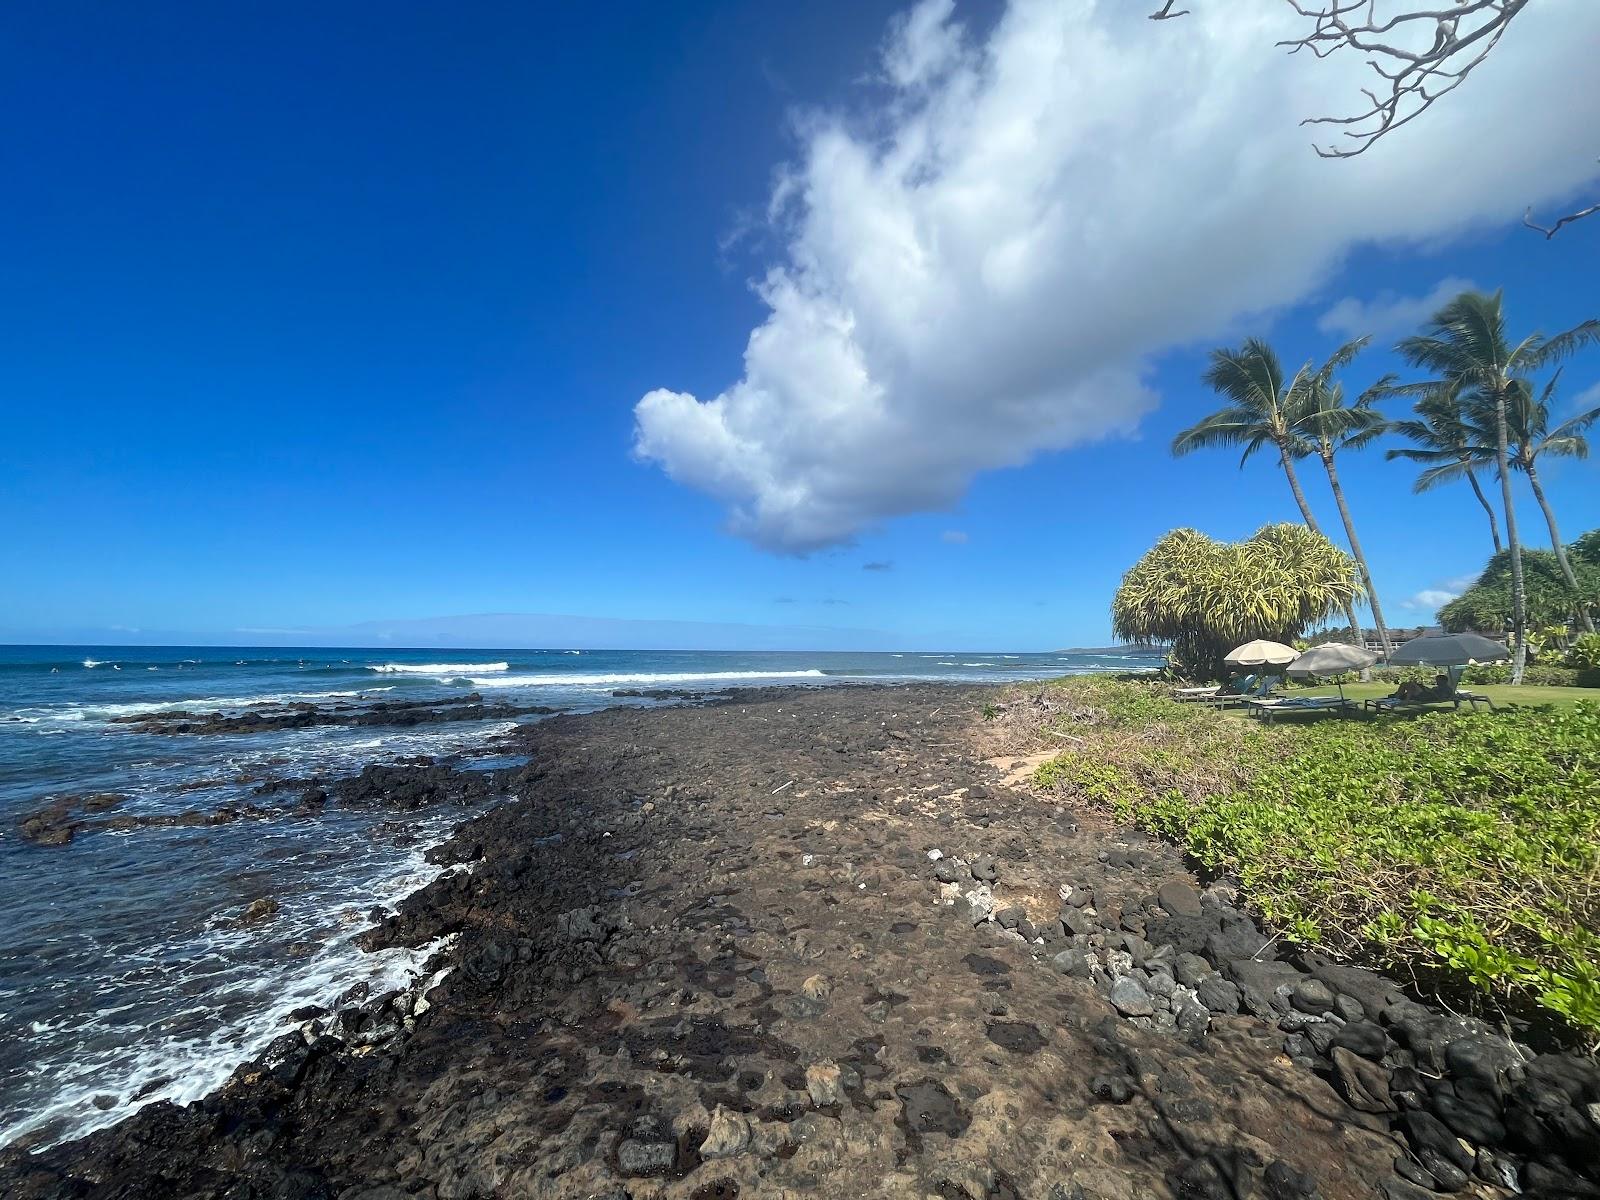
(1434, 598)
(1389, 315)
(955, 537)
(1584, 400)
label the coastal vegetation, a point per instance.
(1205, 597)
(1465, 852)
(1479, 410)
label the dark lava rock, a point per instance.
(1363, 1038)
(984, 869)
(1072, 963)
(1130, 998)
(1111, 1089)
(1430, 1138)
(1019, 1037)
(638, 1158)
(1178, 899)
(1076, 923)
(1363, 1084)
(1238, 938)
(1395, 1188)
(1312, 996)
(1218, 995)
(1190, 969)
(258, 910)
(927, 1107)
(1186, 935)
(1265, 977)
(1283, 1182)
(1010, 918)
(1367, 988)
(1483, 1059)
(1469, 1111)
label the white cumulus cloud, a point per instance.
(982, 257)
(1388, 314)
(1432, 599)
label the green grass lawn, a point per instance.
(1499, 693)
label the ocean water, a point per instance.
(123, 978)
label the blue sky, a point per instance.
(319, 317)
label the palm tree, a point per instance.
(1251, 379)
(1530, 428)
(1449, 442)
(1318, 414)
(1465, 346)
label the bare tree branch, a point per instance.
(1420, 55)
(1550, 231)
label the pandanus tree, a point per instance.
(1257, 416)
(1322, 419)
(1204, 597)
(1466, 348)
(1444, 438)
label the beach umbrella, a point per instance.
(1261, 653)
(1453, 650)
(1333, 658)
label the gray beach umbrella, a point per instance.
(1448, 650)
(1333, 658)
(1453, 650)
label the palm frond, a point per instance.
(1564, 345)
(1226, 427)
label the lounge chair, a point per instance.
(1262, 689)
(1423, 703)
(1191, 694)
(1266, 710)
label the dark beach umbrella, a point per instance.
(1452, 650)
(1333, 658)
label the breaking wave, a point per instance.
(438, 668)
(655, 677)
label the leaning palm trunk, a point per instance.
(1311, 523)
(1355, 549)
(1519, 597)
(1494, 523)
(1560, 549)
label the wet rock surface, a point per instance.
(709, 951)
(267, 717)
(402, 787)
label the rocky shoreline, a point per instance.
(809, 942)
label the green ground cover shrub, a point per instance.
(1468, 842)
(1537, 674)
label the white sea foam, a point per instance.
(196, 1066)
(92, 663)
(438, 668)
(661, 677)
(80, 712)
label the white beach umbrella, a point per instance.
(1333, 658)
(1261, 653)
